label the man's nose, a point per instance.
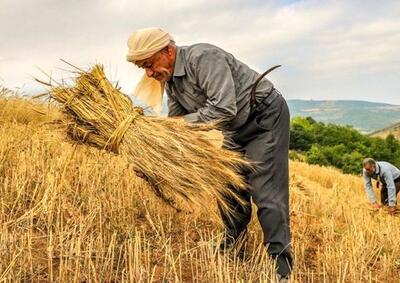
(149, 72)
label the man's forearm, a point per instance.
(392, 196)
(370, 194)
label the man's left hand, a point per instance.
(177, 118)
(392, 210)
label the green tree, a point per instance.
(316, 156)
(352, 163)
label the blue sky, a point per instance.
(328, 49)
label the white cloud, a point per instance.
(328, 49)
(370, 47)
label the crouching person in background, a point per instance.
(388, 177)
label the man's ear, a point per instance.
(170, 49)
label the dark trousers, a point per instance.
(264, 139)
(384, 191)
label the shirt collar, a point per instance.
(377, 169)
(179, 68)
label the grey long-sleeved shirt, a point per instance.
(209, 83)
(388, 173)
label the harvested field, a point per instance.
(72, 213)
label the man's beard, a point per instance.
(370, 174)
(163, 76)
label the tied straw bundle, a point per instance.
(175, 157)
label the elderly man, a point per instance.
(388, 176)
(205, 83)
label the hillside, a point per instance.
(70, 213)
(340, 146)
(362, 115)
(392, 129)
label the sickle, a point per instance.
(253, 89)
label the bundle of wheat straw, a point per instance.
(174, 156)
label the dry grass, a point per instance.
(175, 157)
(23, 111)
(73, 213)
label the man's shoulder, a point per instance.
(198, 50)
(386, 166)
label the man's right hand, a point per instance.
(376, 206)
(177, 117)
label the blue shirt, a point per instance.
(388, 174)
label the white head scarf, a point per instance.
(143, 44)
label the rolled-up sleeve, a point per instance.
(215, 79)
(388, 176)
(368, 187)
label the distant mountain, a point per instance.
(392, 129)
(364, 116)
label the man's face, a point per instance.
(370, 169)
(160, 66)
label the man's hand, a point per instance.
(392, 210)
(376, 206)
(177, 117)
